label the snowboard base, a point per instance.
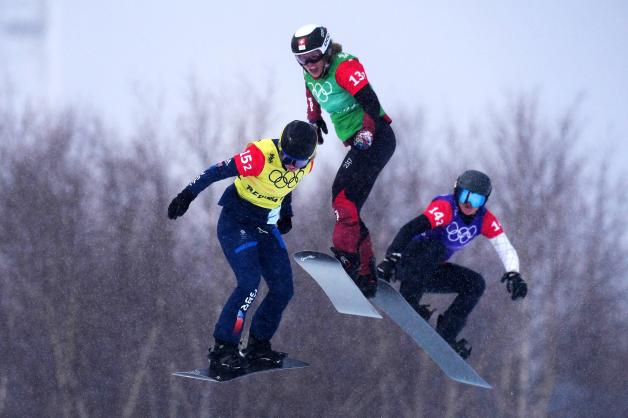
(328, 273)
(389, 300)
(210, 375)
(347, 299)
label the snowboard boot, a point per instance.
(367, 283)
(423, 310)
(225, 358)
(461, 346)
(260, 352)
(350, 262)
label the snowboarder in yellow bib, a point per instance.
(256, 211)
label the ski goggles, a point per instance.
(310, 57)
(288, 160)
(475, 199)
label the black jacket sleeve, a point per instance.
(413, 228)
(367, 98)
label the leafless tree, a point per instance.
(102, 297)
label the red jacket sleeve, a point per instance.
(491, 226)
(313, 108)
(350, 75)
(250, 162)
(439, 213)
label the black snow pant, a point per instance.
(422, 270)
(352, 185)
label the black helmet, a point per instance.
(298, 140)
(309, 39)
(474, 181)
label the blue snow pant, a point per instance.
(422, 269)
(253, 251)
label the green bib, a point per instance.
(345, 112)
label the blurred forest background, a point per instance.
(102, 297)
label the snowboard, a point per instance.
(399, 310)
(347, 298)
(255, 368)
(343, 293)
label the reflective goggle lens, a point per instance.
(475, 199)
(309, 57)
(287, 160)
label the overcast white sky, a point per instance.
(453, 58)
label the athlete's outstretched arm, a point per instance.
(216, 172)
(516, 286)
(507, 253)
(248, 163)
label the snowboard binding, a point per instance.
(225, 361)
(350, 261)
(445, 328)
(260, 353)
(461, 347)
(422, 309)
(367, 283)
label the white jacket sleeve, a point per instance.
(506, 252)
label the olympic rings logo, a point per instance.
(321, 91)
(460, 234)
(285, 179)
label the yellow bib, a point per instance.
(268, 189)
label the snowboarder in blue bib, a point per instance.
(256, 210)
(418, 255)
(336, 82)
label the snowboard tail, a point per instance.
(397, 308)
(343, 293)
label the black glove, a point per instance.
(516, 286)
(386, 269)
(180, 204)
(284, 224)
(320, 126)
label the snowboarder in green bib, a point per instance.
(336, 82)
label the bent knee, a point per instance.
(478, 285)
